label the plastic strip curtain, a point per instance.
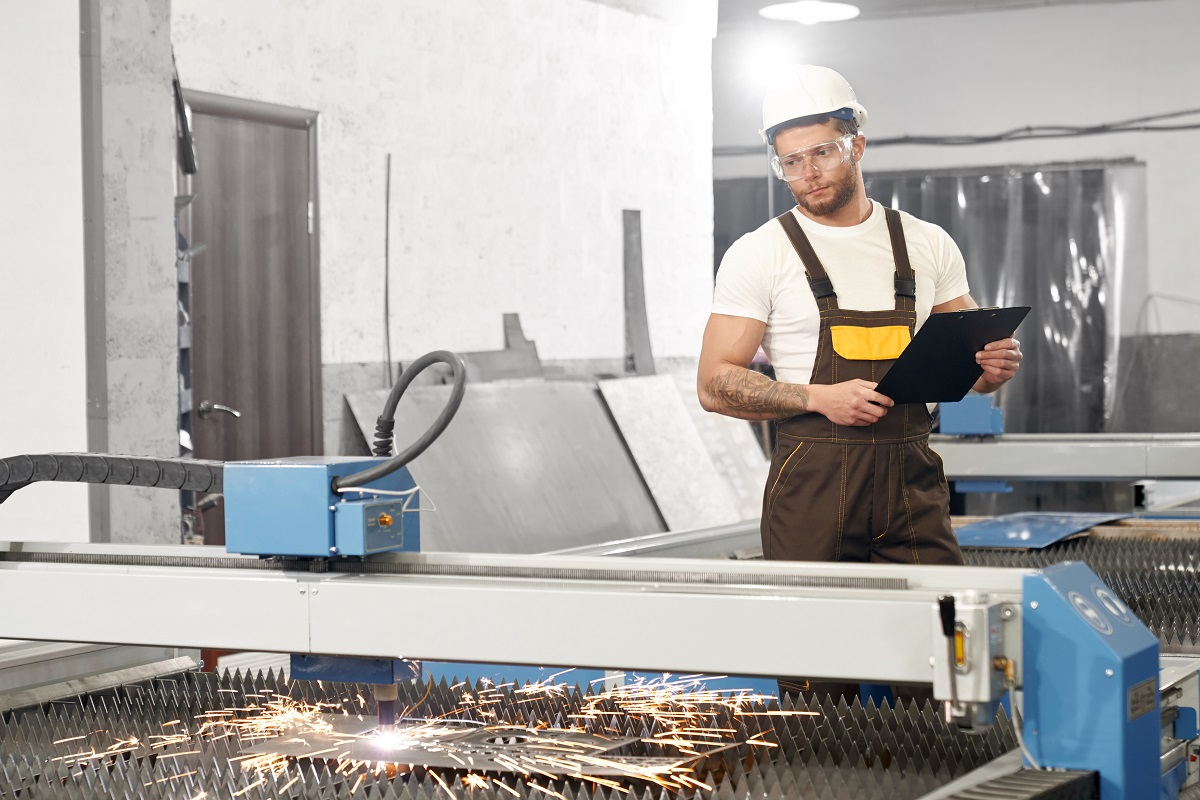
(1057, 238)
(1053, 238)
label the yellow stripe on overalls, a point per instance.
(869, 344)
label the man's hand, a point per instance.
(1000, 361)
(849, 403)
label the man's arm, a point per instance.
(1000, 359)
(727, 386)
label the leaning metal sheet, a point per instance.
(733, 447)
(669, 452)
(525, 467)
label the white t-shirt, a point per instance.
(761, 277)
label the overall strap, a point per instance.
(814, 270)
(906, 279)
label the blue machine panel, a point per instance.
(362, 527)
(974, 415)
(1029, 531)
(347, 669)
(982, 487)
(1091, 682)
(286, 508)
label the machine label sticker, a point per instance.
(1112, 605)
(1090, 613)
(1143, 698)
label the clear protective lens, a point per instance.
(821, 157)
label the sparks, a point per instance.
(677, 716)
(259, 782)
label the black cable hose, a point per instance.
(387, 420)
(383, 437)
(16, 472)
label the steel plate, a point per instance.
(525, 467)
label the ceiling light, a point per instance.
(810, 12)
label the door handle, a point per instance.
(207, 408)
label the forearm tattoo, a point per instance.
(747, 392)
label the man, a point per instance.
(833, 290)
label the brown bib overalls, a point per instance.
(858, 493)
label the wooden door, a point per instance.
(255, 298)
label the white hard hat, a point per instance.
(806, 91)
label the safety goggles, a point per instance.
(821, 157)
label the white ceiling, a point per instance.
(744, 13)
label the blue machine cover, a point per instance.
(1029, 531)
(1090, 682)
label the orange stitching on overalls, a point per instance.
(941, 468)
(837, 550)
(863, 441)
(780, 477)
(912, 534)
(873, 424)
(852, 318)
(888, 483)
(833, 428)
(820, 351)
(833, 359)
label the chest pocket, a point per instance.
(856, 343)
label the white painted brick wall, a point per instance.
(519, 130)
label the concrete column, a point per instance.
(134, 407)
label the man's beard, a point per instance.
(843, 193)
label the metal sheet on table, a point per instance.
(733, 447)
(1029, 531)
(440, 744)
(525, 467)
(673, 460)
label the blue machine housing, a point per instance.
(974, 415)
(346, 669)
(287, 507)
(1091, 682)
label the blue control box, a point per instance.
(362, 527)
(974, 415)
(287, 507)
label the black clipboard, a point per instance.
(938, 366)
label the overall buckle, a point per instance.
(821, 288)
(906, 287)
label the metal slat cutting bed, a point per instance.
(656, 614)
